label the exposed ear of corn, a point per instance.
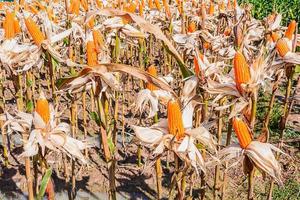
(242, 132)
(196, 64)
(8, 25)
(84, 4)
(91, 54)
(175, 123)
(98, 40)
(290, 30)
(241, 70)
(282, 47)
(229, 6)
(157, 4)
(74, 7)
(35, 32)
(192, 27)
(42, 108)
(275, 36)
(211, 9)
(152, 70)
(167, 8)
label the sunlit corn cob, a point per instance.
(192, 27)
(8, 25)
(131, 7)
(175, 123)
(98, 40)
(99, 4)
(35, 32)
(152, 70)
(222, 6)
(157, 4)
(33, 9)
(229, 6)
(74, 7)
(275, 36)
(242, 132)
(17, 27)
(211, 9)
(196, 64)
(241, 71)
(42, 108)
(141, 9)
(84, 4)
(150, 4)
(91, 53)
(282, 47)
(290, 30)
(91, 23)
(235, 4)
(167, 8)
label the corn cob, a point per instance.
(241, 71)
(290, 30)
(42, 108)
(282, 47)
(242, 131)
(175, 123)
(152, 70)
(33, 29)
(8, 25)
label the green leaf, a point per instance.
(185, 72)
(73, 72)
(44, 184)
(297, 69)
(94, 116)
(29, 82)
(29, 106)
(111, 145)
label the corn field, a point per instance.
(149, 99)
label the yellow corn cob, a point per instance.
(91, 54)
(275, 36)
(17, 27)
(229, 6)
(150, 4)
(8, 25)
(35, 32)
(152, 70)
(175, 123)
(167, 8)
(290, 30)
(98, 40)
(157, 4)
(196, 64)
(42, 108)
(222, 6)
(74, 7)
(242, 131)
(241, 70)
(282, 47)
(84, 4)
(211, 9)
(99, 3)
(192, 27)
